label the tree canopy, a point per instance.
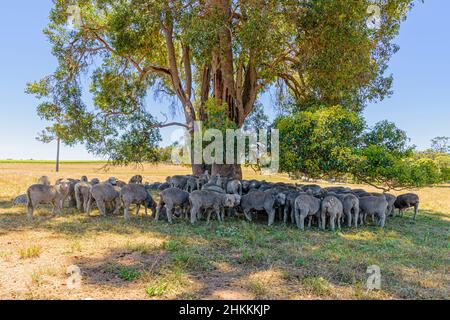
(332, 142)
(224, 51)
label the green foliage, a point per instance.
(257, 119)
(330, 72)
(442, 161)
(379, 166)
(137, 143)
(315, 143)
(165, 154)
(385, 134)
(334, 142)
(121, 132)
(217, 117)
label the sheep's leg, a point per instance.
(138, 208)
(416, 210)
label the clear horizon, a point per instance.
(419, 104)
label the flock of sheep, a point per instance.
(195, 197)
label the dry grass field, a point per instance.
(233, 260)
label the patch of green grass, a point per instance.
(33, 251)
(129, 274)
(156, 290)
(257, 288)
(227, 231)
(252, 256)
(171, 278)
(190, 260)
(318, 286)
(142, 248)
(300, 262)
(171, 245)
(345, 276)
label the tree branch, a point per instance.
(204, 91)
(166, 124)
(250, 90)
(167, 27)
(142, 71)
(170, 124)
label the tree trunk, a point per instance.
(238, 91)
(222, 76)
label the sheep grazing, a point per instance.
(211, 202)
(332, 208)
(172, 199)
(189, 194)
(102, 194)
(82, 193)
(134, 193)
(374, 206)
(306, 206)
(406, 201)
(45, 194)
(258, 201)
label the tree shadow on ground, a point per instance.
(254, 260)
(170, 270)
(119, 267)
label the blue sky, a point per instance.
(420, 104)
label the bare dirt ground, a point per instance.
(233, 260)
